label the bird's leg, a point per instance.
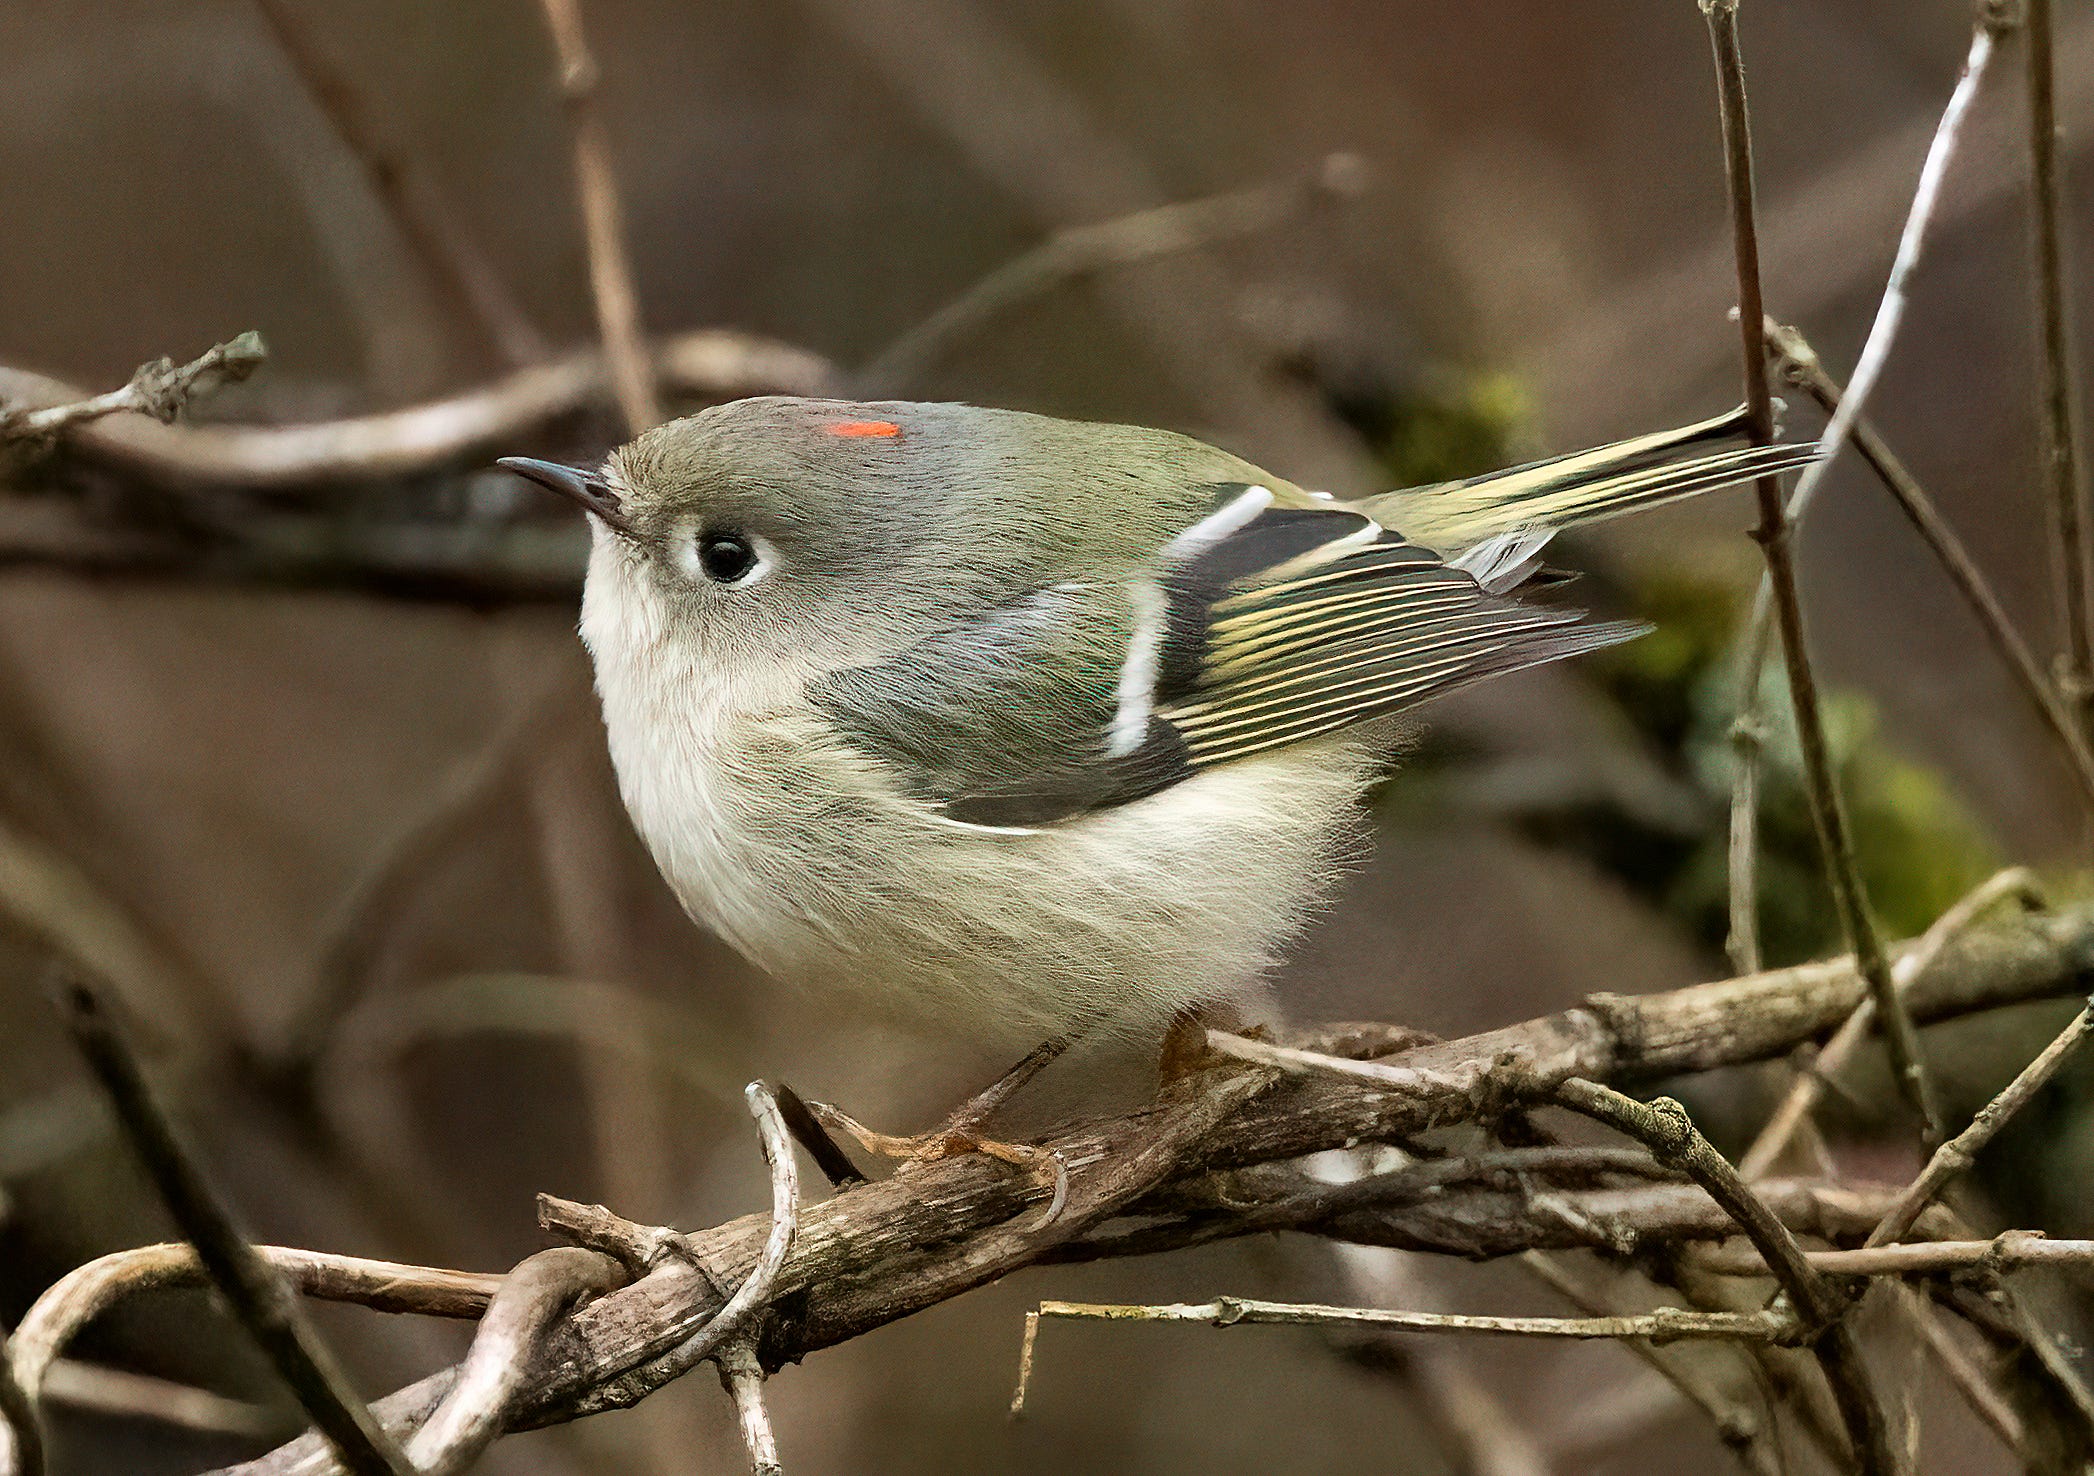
(961, 1132)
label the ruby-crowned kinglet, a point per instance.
(1026, 727)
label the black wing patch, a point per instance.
(1348, 630)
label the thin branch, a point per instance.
(2056, 394)
(2004, 1252)
(1666, 1325)
(87, 1291)
(161, 389)
(261, 1298)
(712, 363)
(1747, 737)
(2016, 882)
(1961, 1151)
(23, 1454)
(1664, 1127)
(497, 1368)
(757, 1287)
(1777, 523)
(433, 228)
(1797, 362)
(603, 223)
(742, 1377)
(1077, 251)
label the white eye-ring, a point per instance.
(723, 556)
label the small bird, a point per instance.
(1025, 727)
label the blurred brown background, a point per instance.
(255, 789)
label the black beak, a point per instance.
(573, 484)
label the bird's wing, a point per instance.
(1260, 625)
(1585, 486)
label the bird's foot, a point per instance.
(962, 1133)
(1185, 1053)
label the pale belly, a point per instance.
(807, 861)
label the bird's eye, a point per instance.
(725, 557)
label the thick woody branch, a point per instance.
(886, 1250)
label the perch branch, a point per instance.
(886, 1250)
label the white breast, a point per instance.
(678, 729)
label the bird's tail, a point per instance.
(1584, 486)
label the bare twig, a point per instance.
(1075, 251)
(261, 1298)
(2055, 395)
(1664, 1127)
(2004, 1252)
(756, 1288)
(742, 1377)
(1026, 1345)
(2016, 882)
(1722, 17)
(497, 1368)
(23, 1454)
(603, 223)
(87, 1291)
(1798, 363)
(433, 228)
(1666, 1325)
(1957, 1155)
(160, 389)
(1777, 522)
(713, 363)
